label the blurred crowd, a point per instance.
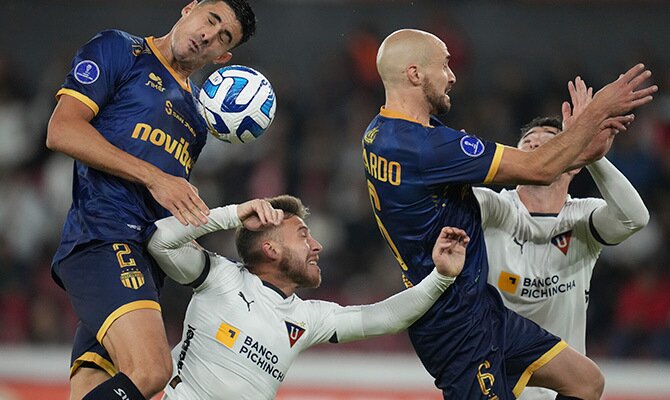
(313, 150)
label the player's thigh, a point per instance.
(84, 380)
(568, 370)
(112, 285)
(137, 340)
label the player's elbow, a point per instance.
(55, 140)
(639, 220)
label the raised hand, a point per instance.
(449, 251)
(259, 214)
(621, 96)
(179, 197)
(580, 97)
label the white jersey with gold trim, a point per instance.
(240, 337)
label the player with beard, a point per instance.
(419, 174)
(245, 325)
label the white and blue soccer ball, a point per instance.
(238, 104)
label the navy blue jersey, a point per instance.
(419, 181)
(143, 107)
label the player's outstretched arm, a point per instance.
(625, 212)
(399, 311)
(71, 133)
(173, 246)
(608, 109)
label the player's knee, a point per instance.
(151, 376)
(595, 384)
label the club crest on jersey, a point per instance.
(562, 241)
(294, 332)
(86, 72)
(472, 146)
(132, 279)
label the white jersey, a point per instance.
(240, 337)
(542, 264)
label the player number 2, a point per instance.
(122, 249)
(376, 206)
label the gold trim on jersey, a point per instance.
(546, 357)
(96, 359)
(183, 82)
(81, 97)
(384, 112)
(495, 164)
(125, 309)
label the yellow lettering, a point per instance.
(184, 157)
(394, 173)
(365, 161)
(179, 147)
(373, 165)
(157, 137)
(168, 107)
(144, 129)
(381, 169)
(170, 144)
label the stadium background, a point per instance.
(512, 60)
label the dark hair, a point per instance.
(554, 122)
(247, 241)
(244, 14)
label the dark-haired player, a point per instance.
(542, 244)
(127, 115)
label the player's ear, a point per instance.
(271, 250)
(188, 8)
(414, 75)
(224, 58)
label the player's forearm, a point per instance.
(393, 314)
(78, 139)
(625, 212)
(173, 248)
(563, 151)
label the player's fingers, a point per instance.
(177, 214)
(198, 207)
(631, 73)
(640, 102)
(566, 110)
(637, 80)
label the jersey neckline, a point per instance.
(184, 83)
(385, 112)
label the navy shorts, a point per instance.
(491, 356)
(105, 280)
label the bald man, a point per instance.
(419, 174)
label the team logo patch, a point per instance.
(132, 279)
(294, 332)
(86, 72)
(472, 146)
(507, 282)
(562, 241)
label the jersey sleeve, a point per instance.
(97, 68)
(450, 156)
(222, 277)
(494, 209)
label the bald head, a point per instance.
(405, 48)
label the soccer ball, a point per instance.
(238, 104)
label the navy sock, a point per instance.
(119, 387)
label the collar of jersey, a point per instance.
(384, 112)
(184, 83)
(275, 288)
